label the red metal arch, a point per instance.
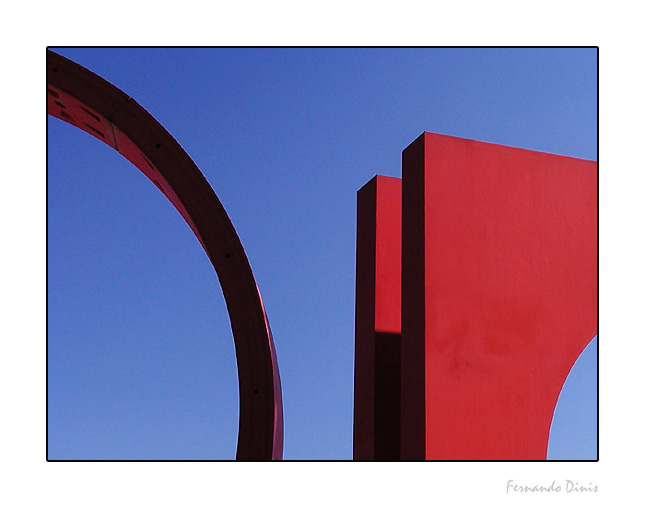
(85, 100)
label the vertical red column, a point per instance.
(499, 296)
(376, 430)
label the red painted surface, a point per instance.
(88, 102)
(378, 283)
(499, 295)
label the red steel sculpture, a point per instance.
(462, 348)
(90, 103)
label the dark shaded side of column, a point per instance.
(413, 303)
(387, 396)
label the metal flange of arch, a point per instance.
(87, 101)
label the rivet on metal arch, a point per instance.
(87, 101)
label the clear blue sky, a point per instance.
(140, 355)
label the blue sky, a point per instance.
(141, 360)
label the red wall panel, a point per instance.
(510, 292)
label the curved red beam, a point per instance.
(85, 100)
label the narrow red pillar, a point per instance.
(499, 295)
(376, 429)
